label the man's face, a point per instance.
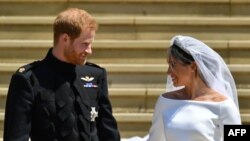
(78, 49)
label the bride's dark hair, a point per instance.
(180, 55)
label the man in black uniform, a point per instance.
(62, 97)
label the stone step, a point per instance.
(138, 75)
(136, 124)
(122, 51)
(134, 27)
(131, 7)
(126, 100)
(136, 20)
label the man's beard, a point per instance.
(74, 58)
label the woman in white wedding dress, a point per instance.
(201, 96)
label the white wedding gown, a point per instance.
(188, 120)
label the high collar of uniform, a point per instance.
(57, 64)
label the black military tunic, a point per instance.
(51, 100)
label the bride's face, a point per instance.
(180, 73)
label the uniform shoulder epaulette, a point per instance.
(27, 67)
(92, 64)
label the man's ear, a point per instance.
(64, 38)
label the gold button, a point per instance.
(21, 69)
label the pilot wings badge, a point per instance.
(87, 78)
(88, 83)
(93, 114)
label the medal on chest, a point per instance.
(93, 114)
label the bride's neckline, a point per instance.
(189, 100)
(204, 95)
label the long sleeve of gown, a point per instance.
(229, 115)
(156, 132)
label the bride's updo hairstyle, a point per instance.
(179, 54)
